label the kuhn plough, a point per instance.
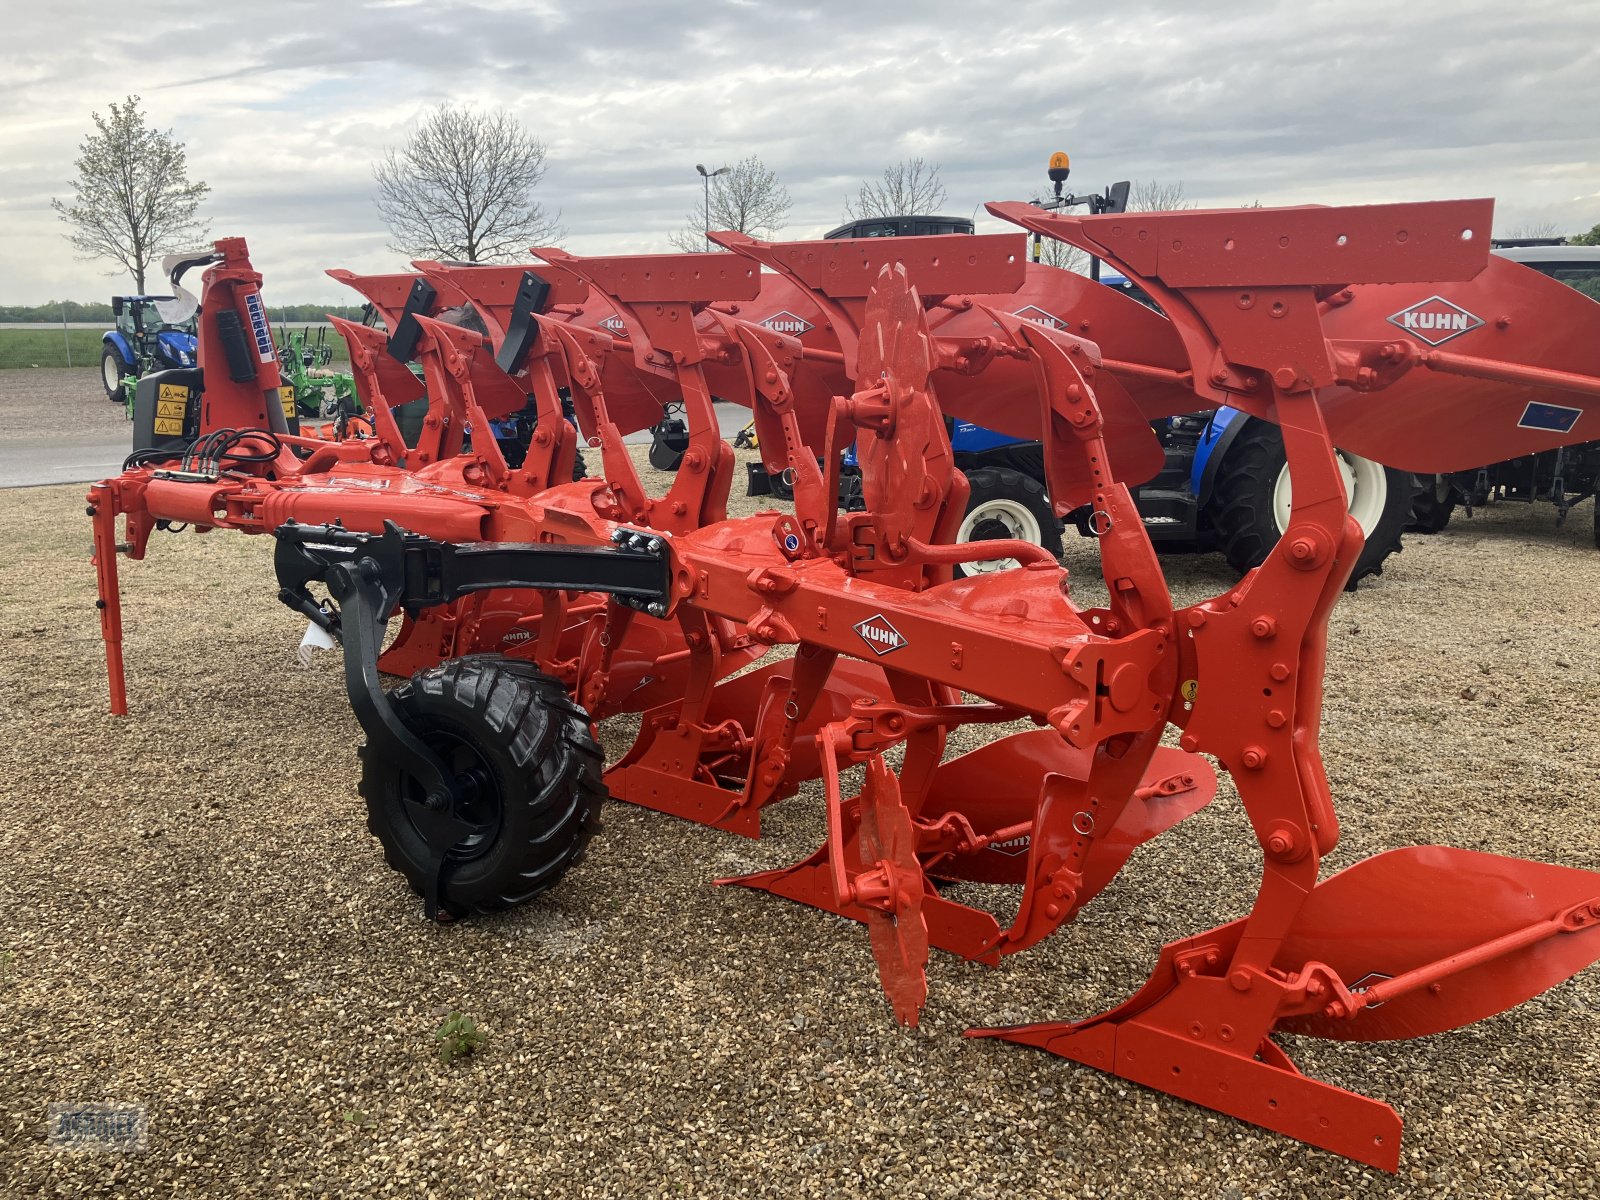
(532, 604)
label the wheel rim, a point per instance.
(1366, 491)
(993, 520)
(111, 370)
(480, 804)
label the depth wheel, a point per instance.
(528, 769)
(1253, 497)
(1006, 504)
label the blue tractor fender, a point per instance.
(116, 338)
(967, 438)
(1224, 426)
(175, 348)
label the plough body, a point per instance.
(867, 642)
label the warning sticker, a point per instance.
(1190, 689)
(172, 391)
(169, 426)
(286, 398)
(171, 408)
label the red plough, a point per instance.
(539, 595)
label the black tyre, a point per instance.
(1430, 512)
(1249, 505)
(1006, 504)
(112, 369)
(534, 790)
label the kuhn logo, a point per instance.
(787, 322)
(879, 634)
(614, 324)
(516, 637)
(1038, 316)
(1011, 846)
(1435, 320)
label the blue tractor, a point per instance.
(143, 341)
(1224, 486)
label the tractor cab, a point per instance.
(145, 339)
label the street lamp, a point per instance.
(708, 176)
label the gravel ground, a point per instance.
(202, 925)
(58, 402)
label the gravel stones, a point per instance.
(200, 923)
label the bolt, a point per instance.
(1189, 742)
(1279, 844)
(1280, 671)
(1196, 618)
(1263, 627)
(1254, 757)
(1052, 910)
(1303, 551)
(657, 609)
(1275, 718)
(1285, 378)
(1240, 980)
(1219, 376)
(90, 511)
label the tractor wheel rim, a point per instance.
(1366, 491)
(995, 519)
(482, 807)
(110, 369)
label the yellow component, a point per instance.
(171, 408)
(286, 398)
(1190, 689)
(172, 391)
(169, 426)
(1060, 162)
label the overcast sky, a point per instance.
(284, 106)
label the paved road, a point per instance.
(28, 462)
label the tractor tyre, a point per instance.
(1006, 504)
(112, 369)
(1250, 505)
(1429, 512)
(535, 791)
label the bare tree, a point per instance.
(1537, 229)
(133, 198)
(1056, 253)
(462, 187)
(1151, 195)
(747, 198)
(910, 187)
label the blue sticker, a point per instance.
(1554, 417)
(791, 542)
(258, 326)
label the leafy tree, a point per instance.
(1592, 238)
(747, 198)
(909, 188)
(132, 198)
(462, 188)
